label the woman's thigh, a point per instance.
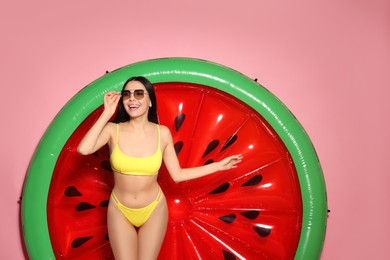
(152, 233)
(122, 234)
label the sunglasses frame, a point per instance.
(134, 93)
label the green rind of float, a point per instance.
(37, 184)
(36, 188)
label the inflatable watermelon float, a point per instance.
(273, 206)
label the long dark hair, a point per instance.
(122, 116)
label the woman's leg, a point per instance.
(122, 234)
(152, 233)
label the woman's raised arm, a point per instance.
(99, 134)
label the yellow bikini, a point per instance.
(138, 216)
(144, 166)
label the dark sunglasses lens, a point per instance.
(126, 94)
(139, 94)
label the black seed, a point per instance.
(80, 241)
(228, 218)
(262, 231)
(106, 165)
(84, 206)
(228, 255)
(178, 147)
(104, 204)
(209, 161)
(252, 214)
(221, 188)
(229, 142)
(179, 120)
(212, 145)
(253, 181)
(72, 191)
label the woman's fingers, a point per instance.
(111, 100)
(231, 161)
(235, 160)
(112, 97)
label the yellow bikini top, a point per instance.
(145, 166)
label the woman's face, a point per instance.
(136, 99)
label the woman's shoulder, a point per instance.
(164, 131)
(164, 128)
(112, 124)
(111, 127)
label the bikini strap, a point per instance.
(114, 197)
(159, 194)
(158, 130)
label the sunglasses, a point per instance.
(138, 94)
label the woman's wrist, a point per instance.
(106, 115)
(217, 166)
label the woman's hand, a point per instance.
(230, 162)
(111, 100)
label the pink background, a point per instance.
(328, 61)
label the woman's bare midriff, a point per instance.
(135, 191)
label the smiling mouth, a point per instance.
(133, 107)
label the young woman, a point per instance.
(137, 212)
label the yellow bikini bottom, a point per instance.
(137, 216)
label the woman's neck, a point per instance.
(138, 124)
